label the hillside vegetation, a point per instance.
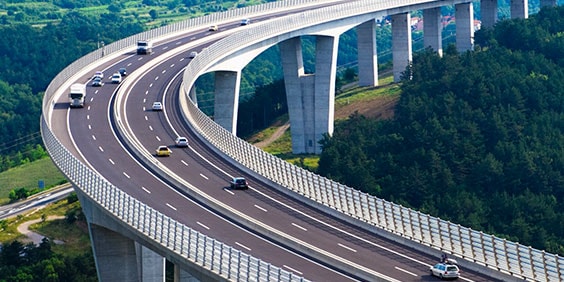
(477, 138)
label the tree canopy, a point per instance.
(477, 138)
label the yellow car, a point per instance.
(213, 28)
(163, 151)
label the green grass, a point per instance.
(28, 175)
(75, 236)
(8, 227)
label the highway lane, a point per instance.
(260, 202)
(97, 143)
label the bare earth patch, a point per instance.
(381, 107)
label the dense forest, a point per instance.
(477, 138)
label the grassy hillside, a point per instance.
(28, 175)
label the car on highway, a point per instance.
(97, 81)
(116, 78)
(123, 71)
(245, 21)
(163, 151)
(213, 28)
(181, 142)
(445, 271)
(238, 183)
(157, 106)
(193, 55)
(99, 74)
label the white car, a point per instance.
(193, 55)
(245, 21)
(116, 78)
(99, 74)
(157, 106)
(445, 270)
(181, 142)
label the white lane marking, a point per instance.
(90, 127)
(345, 247)
(144, 100)
(89, 106)
(87, 116)
(166, 47)
(111, 161)
(158, 139)
(163, 71)
(126, 175)
(172, 66)
(156, 78)
(293, 270)
(150, 85)
(182, 59)
(150, 128)
(94, 137)
(193, 38)
(147, 92)
(91, 99)
(140, 58)
(178, 43)
(202, 225)
(101, 149)
(260, 208)
(146, 118)
(129, 64)
(146, 190)
(170, 206)
(405, 271)
(144, 109)
(242, 246)
(205, 177)
(184, 163)
(228, 191)
(300, 227)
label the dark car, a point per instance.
(238, 183)
(123, 71)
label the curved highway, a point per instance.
(92, 132)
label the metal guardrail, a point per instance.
(202, 250)
(495, 253)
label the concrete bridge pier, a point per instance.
(488, 11)
(181, 275)
(464, 26)
(401, 44)
(227, 86)
(519, 9)
(114, 254)
(432, 28)
(367, 55)
(311, 103)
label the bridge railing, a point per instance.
(487, 250)
(202, 250)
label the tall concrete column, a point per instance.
(519, 9)
(549, 3)
(432, 29)
(227, 84)
(325, 77)
(151, 264)
(114, 255)
(488, 11)
(464, 26)
(401, 44)
(183, 276)
(297, 85)
(311, 98)
(367, 55)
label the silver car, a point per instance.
(445, 270)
